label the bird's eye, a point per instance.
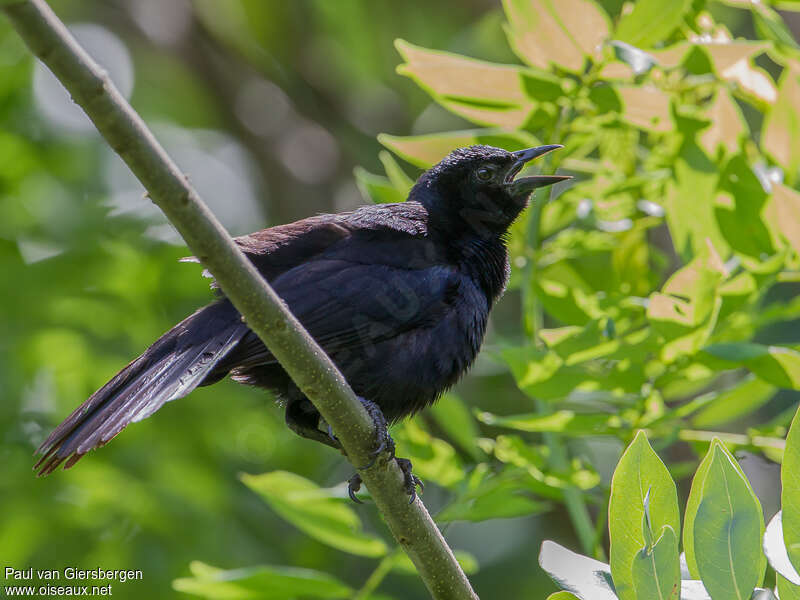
(484, 173)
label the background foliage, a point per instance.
(657, 292)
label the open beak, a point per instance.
(525, 185)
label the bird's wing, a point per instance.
(280, 248)
(351, 298)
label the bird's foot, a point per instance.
(383, 440)
(411, 482)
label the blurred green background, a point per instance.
(269, 107)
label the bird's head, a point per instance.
(478, 188)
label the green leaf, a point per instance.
(786, 589)
(790, 492)
(734, 403)
(376, 188)
(563, 596)
(267, 582)
(315, 511)
(770, 26)
(456, 421)
(685, 312)
(774, 364)
(726, 124)
(580, 575)
(776, 553)
(426, 150)
(639, 473)
(646, 107)
(483, 92)
(433, 458)
(728, 529)
(782, 123)
(402, 182)
(656, 571)
(689, 203)
(782, 216)
(564, 32)
(738, 208)
(494, 496)
(561, 421)
(692, 504)
(651, 21)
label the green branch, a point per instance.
(264, 311)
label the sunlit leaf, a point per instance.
(564, 32)
(727, 125)
(646, 107)
(689, 203)
(782, 122)
(686, 309)
(640, 473)
(782, 216)
(563, 596)
(651, 21)
(268, 582)
(728, 529)
(426, 150)
(315, 511)
(483, 92)
(777, 365)
(790, 492)
(786, 589)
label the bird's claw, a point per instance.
(353, 485)
(384, 440)
(411, 480)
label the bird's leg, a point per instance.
(384, 442)
(303, 419)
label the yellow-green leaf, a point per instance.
(564, 32)
(782, 123)
(656, 571)
(426, 150)
(727, 124)
(728, 529)
(651, 21)
(315, 511)
(790, 492)
(640, 474)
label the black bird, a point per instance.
(398, 295)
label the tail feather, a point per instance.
(171, 368)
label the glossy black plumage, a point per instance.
(398, 295)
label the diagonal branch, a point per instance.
(264, 311)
